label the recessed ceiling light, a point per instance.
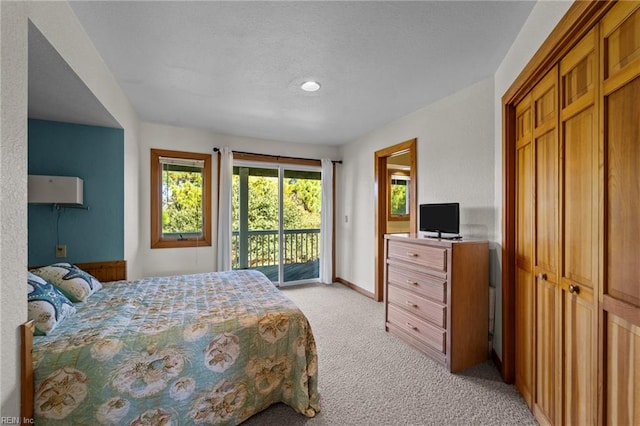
(310, 86)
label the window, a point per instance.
(180, 199)
(398, 202)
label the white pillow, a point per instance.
(72, 281)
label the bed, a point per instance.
(212, 348)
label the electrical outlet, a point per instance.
(61, 250)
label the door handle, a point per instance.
(542, 276)
(574, 289)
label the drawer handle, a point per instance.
(412, 327)
(412, 282)
(411, 254)
(413, 305)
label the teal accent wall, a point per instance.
(96, 155)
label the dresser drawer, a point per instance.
(426, 285)
(431, 257)
(431, 311)
(437, 355)
(416, 327)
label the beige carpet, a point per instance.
(369, 377)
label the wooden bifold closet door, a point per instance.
(579, 189)
(620, 296)
(577, 230)
(537, 246)
(524, 291)
(545, 242)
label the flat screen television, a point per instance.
(442, 218)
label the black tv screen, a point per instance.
(441, 218)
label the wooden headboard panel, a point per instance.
(106, 271)
(111, 270)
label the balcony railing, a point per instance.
(300, 246)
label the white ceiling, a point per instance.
(236, 67)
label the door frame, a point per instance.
(381, 194)
(577, 22)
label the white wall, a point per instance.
(58, 24)
(542, 20)
(455, 163)
(459, 159)
(13, 201)
(170, 261)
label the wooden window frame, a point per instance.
(157, 240)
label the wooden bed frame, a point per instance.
(111, 270)
(26, 372)
(103, 271)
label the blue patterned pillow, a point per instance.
(72, 281)
(47, 306)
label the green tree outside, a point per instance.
(399, 197)
(302, 199)
(301, 202)
(181, 201)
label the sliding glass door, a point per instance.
(302, 191)
(276, 221)
(255, 220)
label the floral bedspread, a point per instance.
(210, 348)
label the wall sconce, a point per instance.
(56, 190)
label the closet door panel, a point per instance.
(623, 373)
(545, 99)
(580, 339)
(623, 194)
(622, 35)
(546, 202)
(579, 151)
(524, 336)
(579, 206)
(524, 208)
(524, 318)
(546, 365)
(620, 43)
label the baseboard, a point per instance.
(355, 288)
(496, 360)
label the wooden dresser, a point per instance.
(437, 297)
